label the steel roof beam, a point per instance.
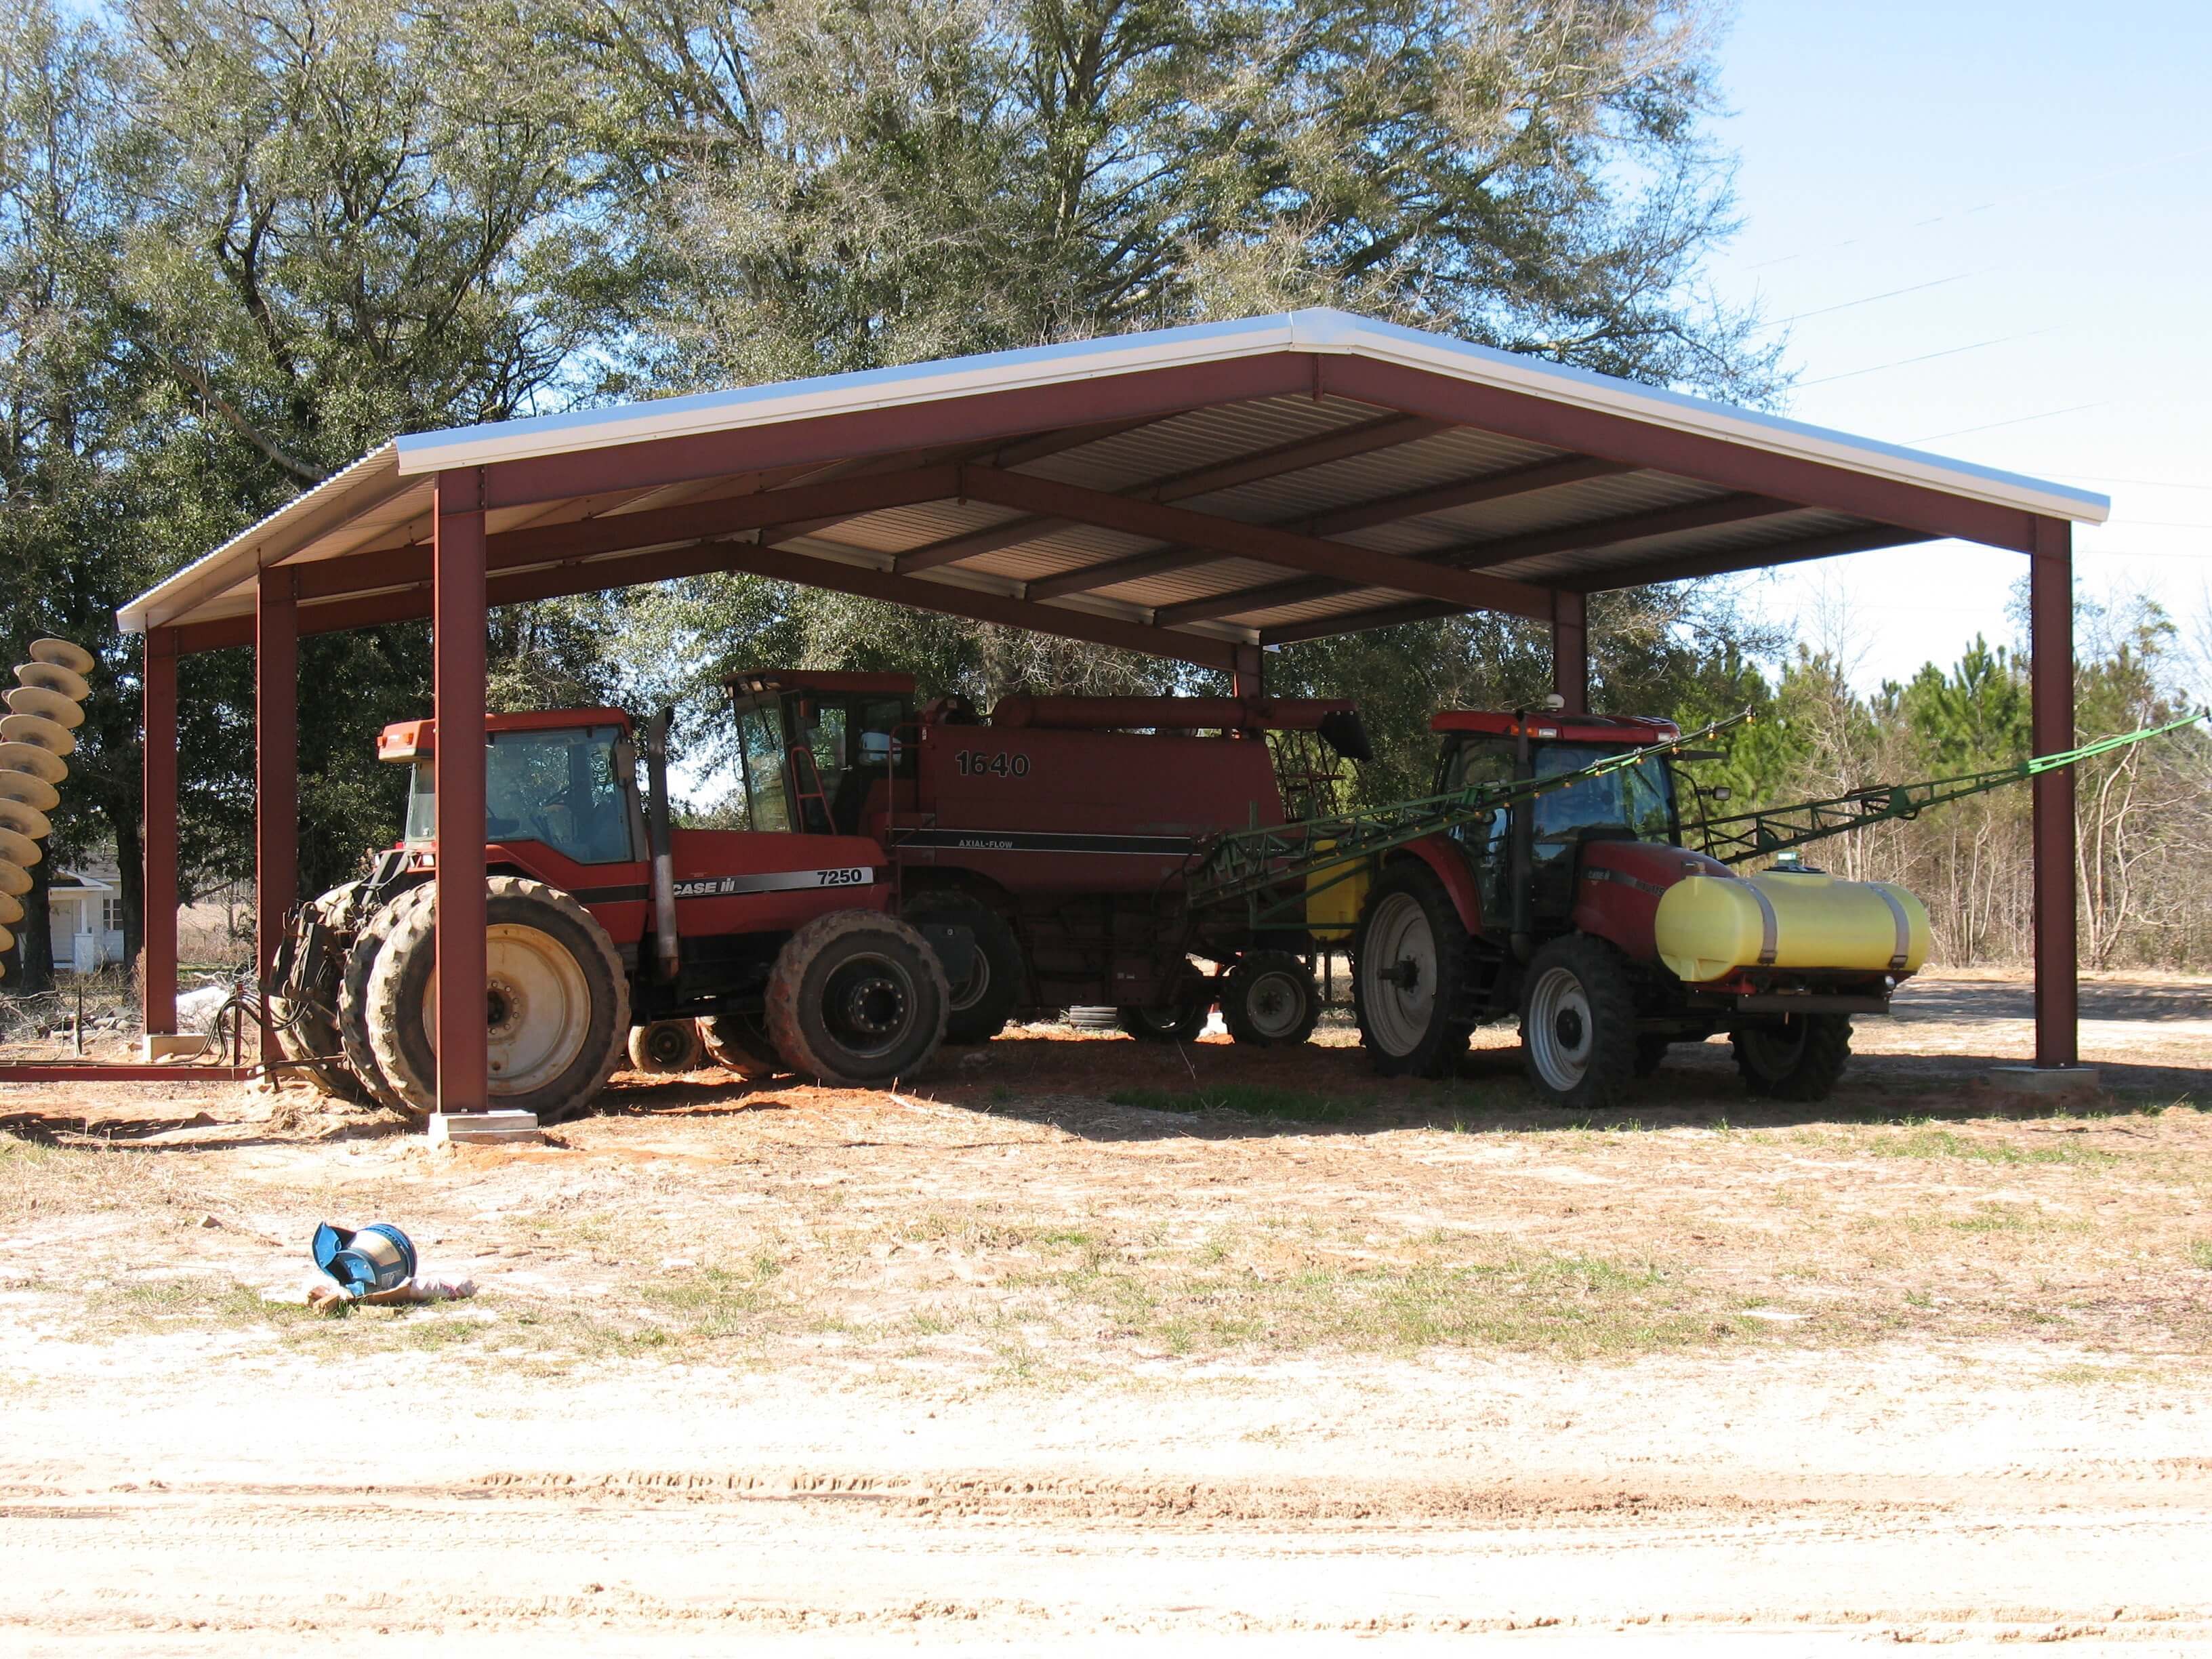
(1295, 456)
(1568, 538)
(1359, 516)
(1359, 567)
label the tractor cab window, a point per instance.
(557, 786)
(1636, 799)
(811, 757)
(1480, 763)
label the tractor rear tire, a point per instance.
(667, 1048)
(1651, 1054)
(1798, 1057)
(738, 1043)
(354, 1019)
(557, 1001)
(1269, 1000)
(857, 998)
(985, 998)
(1578, 1024)
(309, 1038)
(1409, 961)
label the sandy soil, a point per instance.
(1078, 1342)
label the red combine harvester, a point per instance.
(608, 927)
(1057, 833)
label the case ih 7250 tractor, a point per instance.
(608, 927)
(1057, 833)
(1572, 904)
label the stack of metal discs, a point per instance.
(37, 735)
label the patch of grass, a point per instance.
(712, 1303)
(1941, 1143)
(1251, 1099)
(2201, 1252)
(1996, 1218)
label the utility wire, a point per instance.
(2020, 420)
(1925, 357)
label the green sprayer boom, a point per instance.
(1746, 835)
(1246, 864)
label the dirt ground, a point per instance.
(1074, 1342)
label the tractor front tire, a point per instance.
(1798, 1057)
(1409, 974)
(1269, 1000)
(667, 1048)
(556, 1002)
(739, 1043)
(1578, 1024)
(857, 998)
(984, 998)
(354, 1014)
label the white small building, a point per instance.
(85, 910)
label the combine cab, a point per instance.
(609, 930)
(1578, 908)
(1056, 832)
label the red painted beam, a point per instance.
(458, 662)
(1359, 516)
(276, 770)
(1693, 455)
(1359, 567)
(1358, 622)
(1602, 533)
(1390, 432)
(1780, 553)
(1013, 414)
(2051, 692)
(1571, 651)
(158, 832)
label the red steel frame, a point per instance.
(818, 470)
(276, 767)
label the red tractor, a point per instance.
(1056, 834)
(1574, 906)
(609, 929)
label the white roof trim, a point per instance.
(373, 478)
(1320, 330)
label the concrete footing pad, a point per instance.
(505, 1128)
(156, 1045)
(2045, 1079)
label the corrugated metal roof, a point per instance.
(1323, 465)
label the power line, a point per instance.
(1868, 299)
(1987, 207)
(2021, 420)
(1925, 357)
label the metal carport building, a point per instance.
(1198, 493)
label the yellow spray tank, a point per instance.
(1711, 927)
(1332, 904)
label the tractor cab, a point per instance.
(813, 745)
(1482, 749)
(564, 778)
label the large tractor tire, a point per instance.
(856, 999)
(354, 1016)
(983, 999)
(1269, 1000)
(739, 1043)
(306, 1030)
(556, 1002)
(1798, 1057)
(667, 1048)
(1409, 964)
(1579, 1022)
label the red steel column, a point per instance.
(1571, 650)
(2050, 648)
(158, 953)
(276, 764)
(457, 643)
(1249, 677)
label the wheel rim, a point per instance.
(1775, 1049)
(1398, 974)
(1559, 1028)
(975, 984)
(1274, 1004)
(537, 1008)
(866, 1004)
(667, 1043)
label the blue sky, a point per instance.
(2026, 185)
